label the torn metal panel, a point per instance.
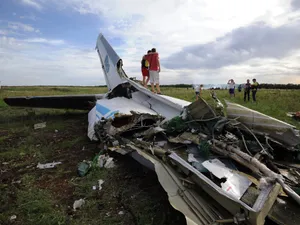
(119, 107)
(200, 110)
(235, 185)
(262, 123)
(150, 132)
(195, 209)
(123, 123)
(291, 175)
(208, 183)
(186, 138)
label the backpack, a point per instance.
(145, 63)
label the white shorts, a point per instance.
(154, 77)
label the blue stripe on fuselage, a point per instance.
(102, 109)
(112, 114)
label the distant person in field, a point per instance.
(231, 87)
(145, 68)
(240, 88)
(154, 70)
(254, 88)
(247, 88)
(198, 90)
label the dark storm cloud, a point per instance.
(258, 40)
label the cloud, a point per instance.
(295, 4)
(33, 63)
(32, 3)
(3, 32)
(30, 17)
(214, 40)
(22, 27)
(258, 40)
(45, 41)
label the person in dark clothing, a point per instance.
(247, 88)
(254, 88)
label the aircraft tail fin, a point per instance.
(111, 63)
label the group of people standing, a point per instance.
(150, 67)
(248, 87)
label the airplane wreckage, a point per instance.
(242, 168)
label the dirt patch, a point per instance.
(131, 194)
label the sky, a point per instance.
(52, 42)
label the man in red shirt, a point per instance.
(154, 69)
(145, 68)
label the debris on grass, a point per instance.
(39, 125)
(83, 168)
(295, 115)
(47, 165)
(13, 217)
(103, 160)
(78, 204)
(100, 182)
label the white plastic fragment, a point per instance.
(13, 217)
(109, 163)
(100, 182)
(105, 161)
(121, 213)
(161, 143)
(101, 160)
(39, 125)
(191, 158)
(78, 203)
(94, 187)
(47, 165)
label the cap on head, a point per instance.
(153, 50)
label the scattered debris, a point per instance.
(100, 182)
(16, 182)
(83, 168)
(13, 217)
(103, 160)
(47, 165)
(221, 155)
(39, 125)
(295, 115)
(78, 204)
(109, 163)
(121, 213)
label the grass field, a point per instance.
(46, 196)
